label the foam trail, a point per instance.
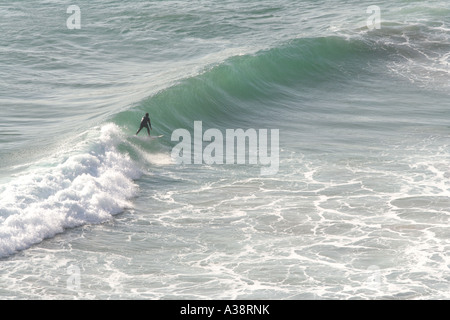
(88, 187)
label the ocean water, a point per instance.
(359, 205)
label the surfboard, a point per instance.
(146, 137)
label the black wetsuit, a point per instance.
(145, 122)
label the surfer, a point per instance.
(145, 122)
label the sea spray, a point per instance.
(89, 187)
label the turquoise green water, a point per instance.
(357, 210)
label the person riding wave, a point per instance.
(145, 122)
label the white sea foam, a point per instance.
(88, 187)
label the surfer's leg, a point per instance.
(140, 128)
(148, 130)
